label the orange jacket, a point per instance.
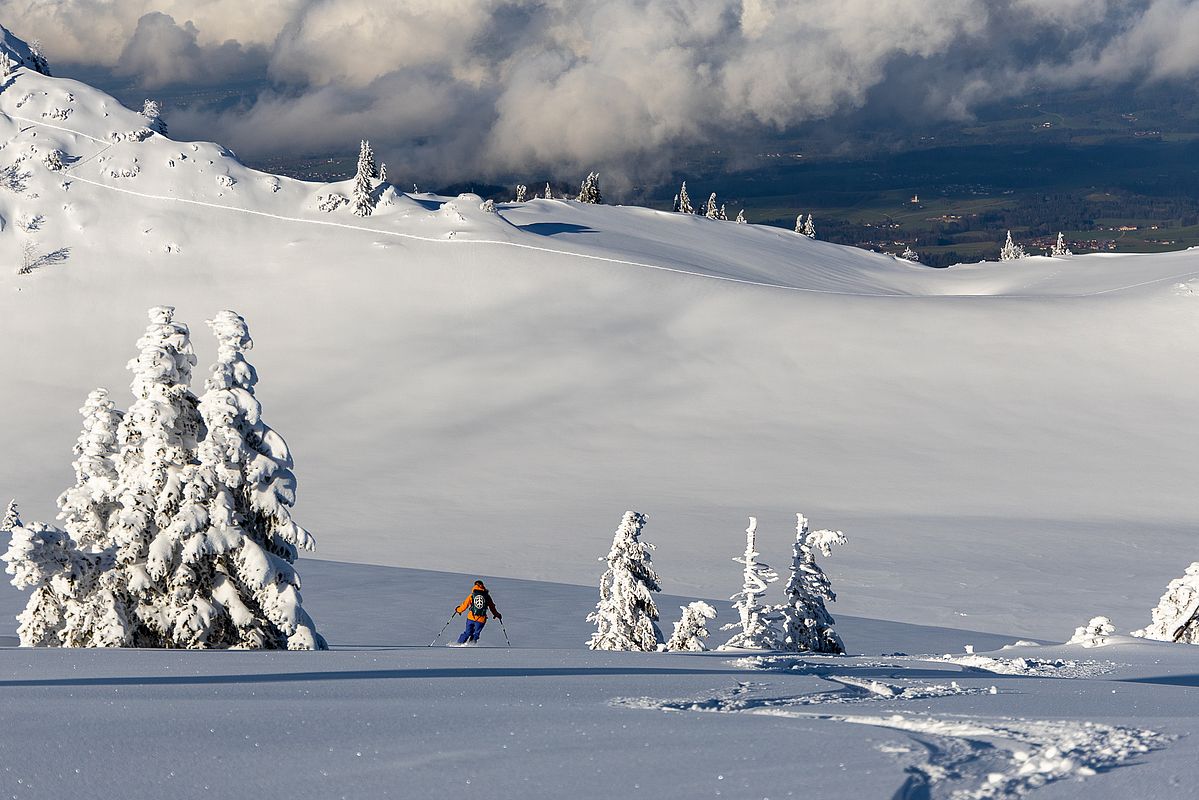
(465, 604)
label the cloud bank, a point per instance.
(472, 88)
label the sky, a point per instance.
(460, 89)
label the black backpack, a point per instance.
(478, 603)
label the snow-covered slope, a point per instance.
(1010, 447)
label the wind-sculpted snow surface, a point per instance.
(963, 757)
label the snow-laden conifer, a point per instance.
(226, 558)
(7, 66)
(809, 227)
(589, 190)
(1176, 617)
(12, 517)
(722, 214)
(691, 631)
(909, 254)
(805, 624)
(1010, 250)
(741, 220)
(157, 437)
(43, 558)
(685, 206)
(1059, 247)
(626, 616)
(521, 191)
(382, 172)
(86, 509)
(363, 200)
(38, 60)
(549, 193)
(799, 223)
(755, 619)
(711, 209)
(675, 205)
(153, 114)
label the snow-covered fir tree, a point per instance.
(382, 172)
(805, 624)
(86, 509)
(1059, 247)
(39, 61)
(226, 558)
(909, 254)
(626, 615)
(153, 114)
(691, 631)
(589, 190)
(755, 619)
(549, 193)
(363, 200)
(183, 538)
(675, 205)
(1176, 617)
(7, 66)
(799, 223)
(158, 437)
(741, 220)
(685, 206)
(521, 191)
(711, 209)
(1010, 250)
(488, 207)
(722, 215)
(809, 227)
(12, 517)
(39, 558)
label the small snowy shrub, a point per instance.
(756, 620)
(1094, 633)
(331, 202)
(626, 616)
(1176, 617)
(488, 206)
(741, 220)
(53, 160)
(691, 631)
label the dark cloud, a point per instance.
(471, 87)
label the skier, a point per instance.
(476, 606)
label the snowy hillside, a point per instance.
(1009, 446)
(1010, 449)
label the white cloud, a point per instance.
(463, 87)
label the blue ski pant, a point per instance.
(473, 629)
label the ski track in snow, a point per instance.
(953, 757)
(520, 246)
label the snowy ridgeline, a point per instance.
(177, 531)
(626, 617)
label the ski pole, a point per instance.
(505, 630)
(443, 627)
